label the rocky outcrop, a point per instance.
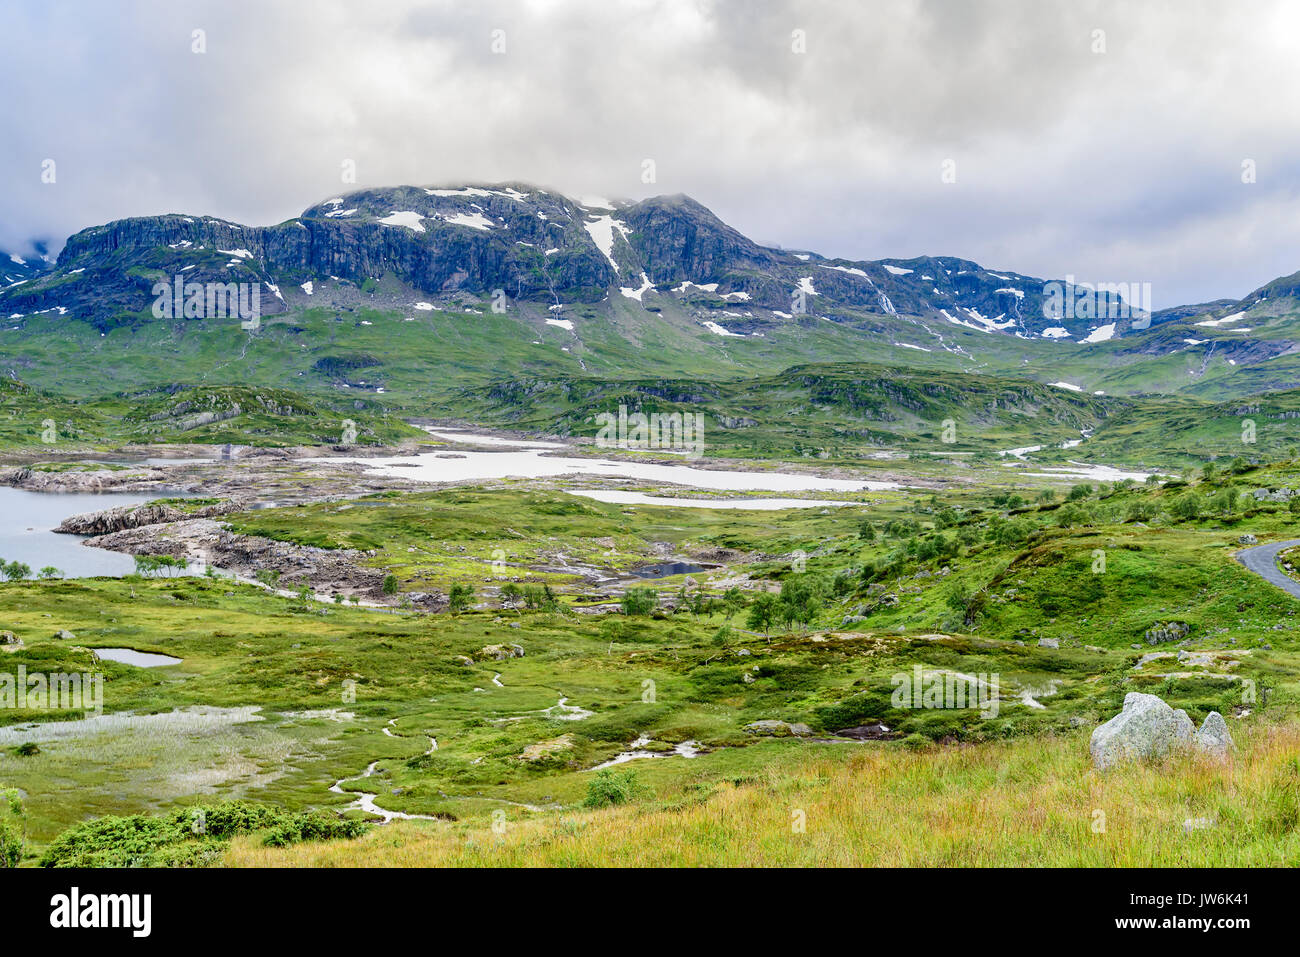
(1164, 632)
(499, 652)
(1147, 727)
(137, 516)
(80, 480)
(328, 571)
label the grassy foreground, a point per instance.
(1031, 802)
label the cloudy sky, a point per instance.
(1100, 140)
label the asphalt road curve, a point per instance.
(1262, 560)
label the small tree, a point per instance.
(762, 613)
(15, 571)
(390, 584)
(639, 601)
(733, 599)
(459, 598)
(49, 571)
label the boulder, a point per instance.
(1048, 643)
(1247, 539)
(8, 638)
(1146, 727)
(1213, 737)
(500, 652)
(63, 635)
(779, 729)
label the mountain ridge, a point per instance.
(541, 246)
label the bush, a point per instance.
(608, 788)
(187, 837)
(13, 821)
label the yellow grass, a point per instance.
(1025, 803)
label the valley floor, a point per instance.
(507, 671)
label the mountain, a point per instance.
(16, 269)
(540, 247)
(370, 290)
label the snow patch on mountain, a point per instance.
(406, 217)
(601, 229)
(1101, 333)
(474, 220)
(851, 270)
(1236, 316)
(637, 293)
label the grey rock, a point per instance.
(1167, 631)
(1146, 727)
(779, 729)
(1213, 737)
(64, 635)
(1048, 643)
(499, 652)
(1247, 539)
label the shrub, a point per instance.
(13, 821)
(608, 788)
(188, 837)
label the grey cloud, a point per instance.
(1123, 165)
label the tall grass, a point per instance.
(1035, 802)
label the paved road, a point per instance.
(1262, 560)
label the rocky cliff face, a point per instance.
(535, 246)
